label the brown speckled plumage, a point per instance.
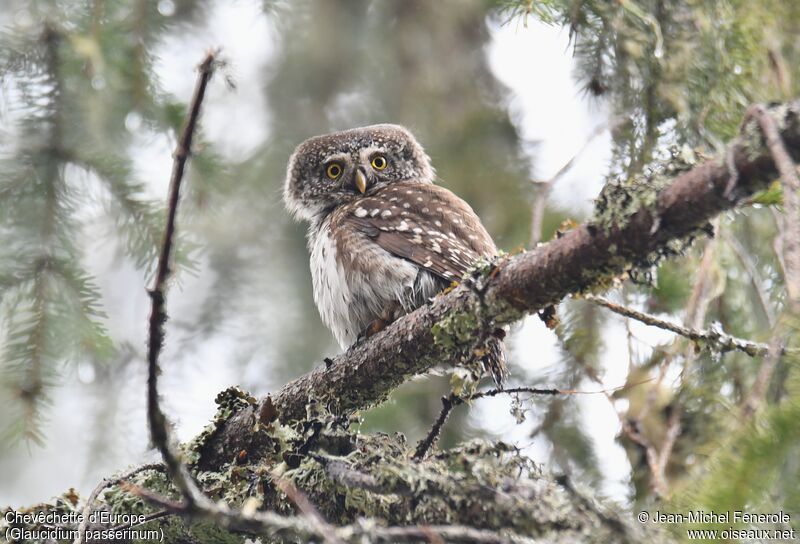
(384, 252)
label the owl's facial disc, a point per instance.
(333, 169)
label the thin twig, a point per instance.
(665, 451)
(761, 384)
(452, 400)
(755, 278)
(716, 338)
(424, 445)
(611, 518)
(787, 246)
(778, 66)
(157, 420)
(87, 509)
(256, 523)
(545, 187)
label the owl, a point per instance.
(383, 238)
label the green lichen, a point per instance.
(622, 197)
(455, 330)
(229, 401)
(481, 484)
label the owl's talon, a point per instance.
(376, 326)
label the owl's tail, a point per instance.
(494, 361)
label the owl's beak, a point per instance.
(361, 181)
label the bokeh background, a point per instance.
(501, 94)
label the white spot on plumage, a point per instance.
(406, 205)
(360, 212)
(374, 212)
(386, 213)
(403, 226)
(417, 230)
(437, 223)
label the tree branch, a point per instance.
(791, 200)
(270, 523)
(716, 338)
(156, 418)
(580, 259)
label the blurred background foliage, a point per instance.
(81, 101)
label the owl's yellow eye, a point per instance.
(379, 162)
(333, 170)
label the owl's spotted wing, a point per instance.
(423, 223)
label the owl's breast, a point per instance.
(355, 280)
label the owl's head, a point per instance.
(333, 169)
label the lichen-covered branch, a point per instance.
(367, 488)
(634, 227)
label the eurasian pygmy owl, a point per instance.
(383, 238)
